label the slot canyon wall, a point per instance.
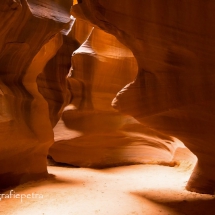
(31, 33)
(173, 43)
(90, 132)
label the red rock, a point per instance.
(91, 133)
(173, 43)
(30, 37)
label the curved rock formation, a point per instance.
(91, 133)
(30, 37)
(173, 43)
(53, 83)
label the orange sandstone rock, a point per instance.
(91, 133)
(30, 37)
(173, 43)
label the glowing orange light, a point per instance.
(75, 2)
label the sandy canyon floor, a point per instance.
(128, 190)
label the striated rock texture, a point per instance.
(29, 37)
(52, 81)
(91, 133)
(173, 43)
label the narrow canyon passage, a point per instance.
(107, 107)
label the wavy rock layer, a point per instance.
(30, 37)
(173, 43)
(53, 83)
(91, 133)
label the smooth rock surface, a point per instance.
(91, 133)
(173, 43)
(30, 37)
